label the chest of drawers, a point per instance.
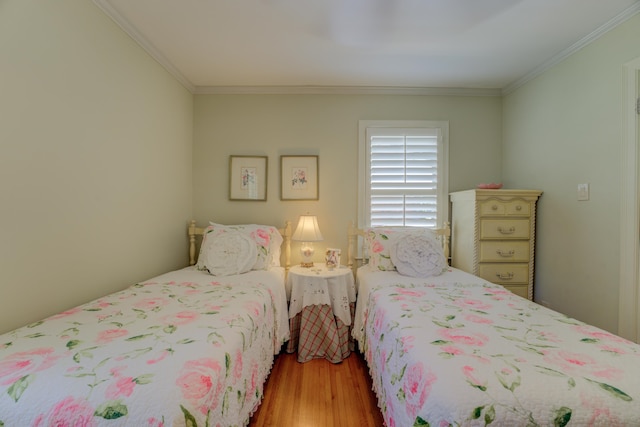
(493, 236)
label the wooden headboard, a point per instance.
(195, 231)
(443, 234)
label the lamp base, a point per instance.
(306, 252)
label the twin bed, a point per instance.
(183, 348)
(446, 348)
(195, 346)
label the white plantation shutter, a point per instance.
(404, 179)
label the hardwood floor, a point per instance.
(318, 394)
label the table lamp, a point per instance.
(307, 232)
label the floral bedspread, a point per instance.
(184, 348)
(458, 351)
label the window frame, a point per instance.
(364, 173)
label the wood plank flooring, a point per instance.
(318, 393)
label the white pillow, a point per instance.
(418, 255)
(267, 239)
(380, 240)
(229, 253)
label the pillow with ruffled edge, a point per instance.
(267, 238)
(379, 240)
(418, 256)
(229, 253)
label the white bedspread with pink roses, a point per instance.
(455, 350)
(184, 348)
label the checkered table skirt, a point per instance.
(317, 333)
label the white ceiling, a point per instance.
(492, 45)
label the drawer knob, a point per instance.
(509, 230)
(505, 276)
(518, 208)
(494, 207)
(506, 254)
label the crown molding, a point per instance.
(148, 47)
(344, 90)
(561, 56)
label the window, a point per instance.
(403, 173)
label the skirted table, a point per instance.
(321, 312)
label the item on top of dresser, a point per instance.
(490, 186)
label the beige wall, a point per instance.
(326, 125)
(95, 160)
(562, 129)
(97, 180)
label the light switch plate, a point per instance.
(583, 192)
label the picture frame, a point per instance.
(299, 178)
(248, 178)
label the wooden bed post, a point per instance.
(286, 234)
(446, 238)
(351, 249)
(192, 241)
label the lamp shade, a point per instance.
(307, 229)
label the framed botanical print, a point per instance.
(248, 177)
(299, 178)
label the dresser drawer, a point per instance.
(520, 290)
(504, 273)
(504, 229)
(504, 251)
(510, 208)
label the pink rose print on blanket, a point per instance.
(460, 336)
(600, 414)
(181, 318)
(65, 313)
(158, 359)
(253, 385)
(416, 388)
(474, 304)
(499, 293)
(154, 422)
(389, 416)
(254, 308)
(121, 386)
(151, 303)
(581, 364)
(18, 365)
(200, 383)
(470, 373)
(70, 412)
(105, 337)
(378, 322)
(237, 366)
(600, 335)
(478, 319)
(413, 293)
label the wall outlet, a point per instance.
(583, 192)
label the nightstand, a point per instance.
(321, 312)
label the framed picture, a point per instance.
(299, 177)
(248, 177)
